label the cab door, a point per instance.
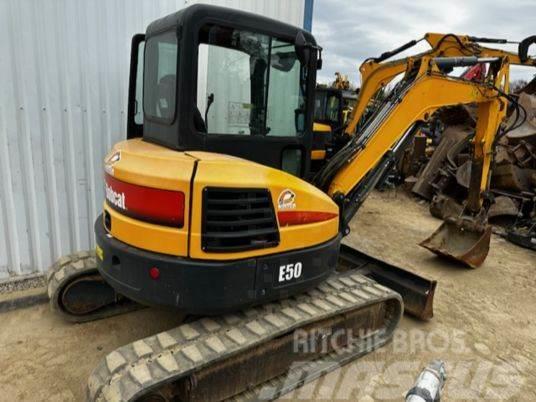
(135, 88)
(252, 99)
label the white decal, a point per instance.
(287, 200)
(115, 198)
(290, 271)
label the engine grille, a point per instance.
(238, 220)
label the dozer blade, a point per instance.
(468, 244)
(416, 291)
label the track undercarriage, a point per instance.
(262, 352)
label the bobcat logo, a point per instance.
(287, 200)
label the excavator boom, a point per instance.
(376, 73)
(351, 174)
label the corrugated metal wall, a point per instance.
(64, 73)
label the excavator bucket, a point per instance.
(463, 243)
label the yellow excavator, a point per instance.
(211, 209)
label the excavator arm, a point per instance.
(376, 73)
(415, 102)
(353, 172)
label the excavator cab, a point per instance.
(208, 79)
(329, 108)
(333, 107)
(328, 123)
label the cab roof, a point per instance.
(204, 13)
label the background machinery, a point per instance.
(212, 209)
(332, 109)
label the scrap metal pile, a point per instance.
(437, 167)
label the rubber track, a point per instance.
(147, 364)
(69, 268)
(305, 372)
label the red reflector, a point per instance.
(290, 218)
(154, 273)
(148, 204)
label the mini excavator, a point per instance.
(211, 207)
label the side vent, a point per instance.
(238, 220)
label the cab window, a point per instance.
(326, 107)
(160, 77)
(248, 84)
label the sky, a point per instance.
(349, 31)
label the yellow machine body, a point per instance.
(145, 164)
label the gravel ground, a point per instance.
(18, 284)
(484, 327)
